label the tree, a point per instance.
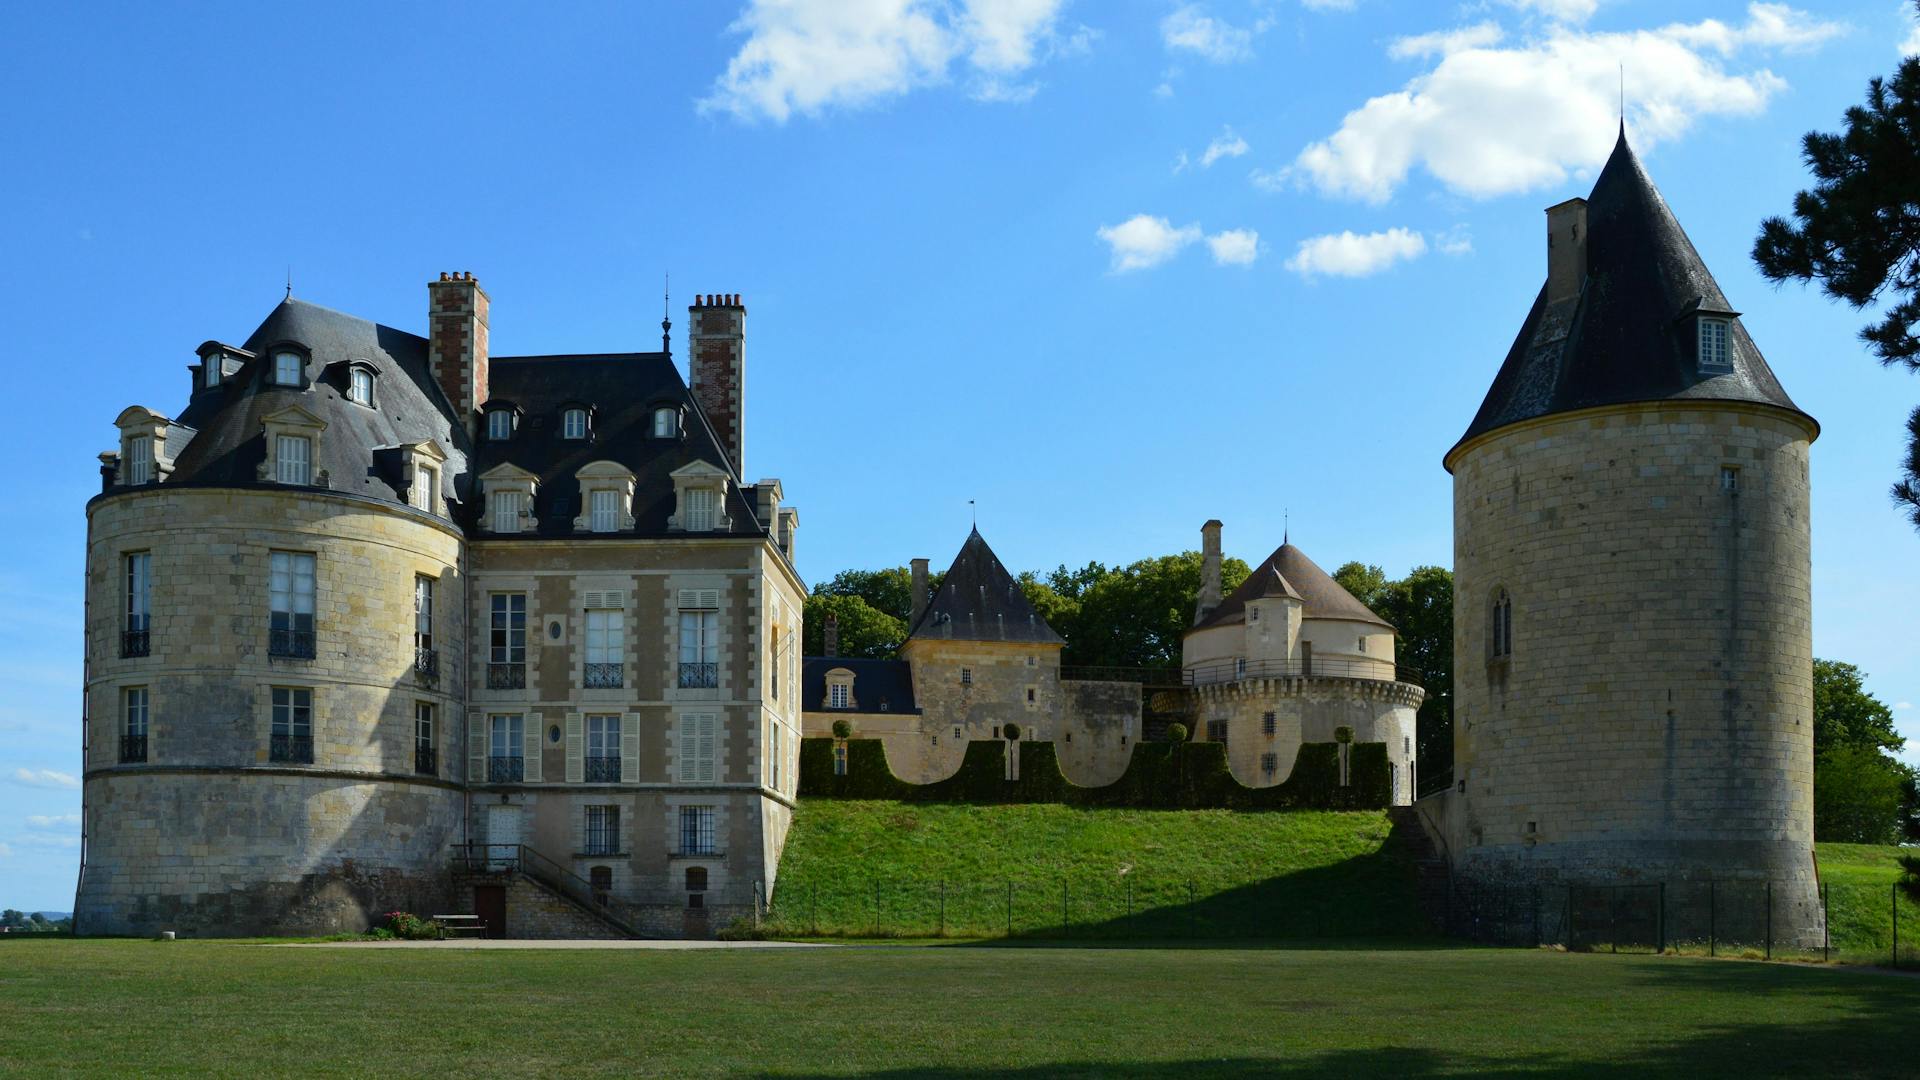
(1136, 616)
(1857, 231)
(888, 591)
(864, 631)
(1861, 795)
(1420, 607)
(1844, 714)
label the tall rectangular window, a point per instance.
(699, 648)
(293, 459)
(773, 755)
(499, 424)
(698, 752)
(140, 459)
(292, 725)
(425, 755)
(287, 369)
(139, 606)
(507, 641)
(506, 750)
(1217, 731)
(423, 612)
(838, 696)
(603, 830)
(696, 830)
(603, 749)
(360, 386)
(699, 516)
(606, 648)
(133, 724)
(508, 508)
(290, 589)
(426, 488)
(1714, 354)
(605, 509)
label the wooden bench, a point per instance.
(459, 925)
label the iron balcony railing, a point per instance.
(1146, 676)
(506, 770)
(699, 676)
(1238, 670)
(133, 643)
(297, 644)
(604, 677)
(133, 749)
(426, 665)
(426, 761)
(507, 676)
(297, 749)
(603, 769)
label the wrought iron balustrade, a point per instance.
(296, 644)
(506, 770)
(133, 749)
(133, 643)
(297, 749)
(604, 677)
(507, 676)
(1145, 676)
(603, 769)
(426, 665)
(699, 676)
(1240, 669)
(426, 761)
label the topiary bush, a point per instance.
(1176, 732)
(1011, 731)
(1343, 734)
(843, 728)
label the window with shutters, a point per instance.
(696, 830)
(699, 515)
(603, 749)
(509, 508)
(507, 641)
(606, 649)
(133, 725)
(134, 639)
(140, 459)
(293, 459)
(290, 601)
(426, 488)
(506, 748)
(773, 755)
(773, 665)
(425, 756)
(603, 830)
(698, 750)
(699, 638)
(291, 739)
(605, 511)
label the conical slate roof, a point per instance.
(980, 601)
(1321, 597)
(1626, 338)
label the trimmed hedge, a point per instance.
(1159, 776)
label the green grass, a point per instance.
(122, 1008)
(862, 869)
(1859, 879)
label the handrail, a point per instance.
(1240, 668)
(503, 858)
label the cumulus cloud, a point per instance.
(1143, 241)
(1188, 28)
(53, 821)
(45, 778)
(1455, 241)
(1328, 5)
(1442, 42)
(1568, 10)
(1350, 254)
(1490, 120)
(806, 56)
(1235, 247)
(1226, 145)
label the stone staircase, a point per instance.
(544, 899)
(1432, 877)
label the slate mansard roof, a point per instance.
(980, 601)
(1627, 337)
(878, 685)
(1288, 572)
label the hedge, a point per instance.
(1161, 776)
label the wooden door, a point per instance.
(490, 903)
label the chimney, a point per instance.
(766, 506)
(831, 646)
(457, 342)
(1566, 250)
(1209, 570)
(717, 369)
(789, 525)
(919, 592)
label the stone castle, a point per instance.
(375, 604)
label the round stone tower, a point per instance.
(1632, 619)
(274, 628)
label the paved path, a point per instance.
(519, 943)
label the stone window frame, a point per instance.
(507, 478)
(567, 413)
(288, 348)
(355, 369)
(1500, 625)
(700, 475)
(140, 422)
(494, 408)
(316, 696)
(418, 458)
(600, 476)
(214, 372)
(839, 679)
(292, 422)
(124, 722)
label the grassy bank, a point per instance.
(1860, 880)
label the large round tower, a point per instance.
(272, 583)
(1632, 620)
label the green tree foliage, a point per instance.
(888, 591)
(1131, 616)
(1857, 231)
(1844, 714)
(1420, 607)
(864, 631)
(1861, 795)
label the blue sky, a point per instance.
(1109, 269)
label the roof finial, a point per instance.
(1286, 526)
(975, 509)
(289, 281)
(666, 308)
(1623, 99)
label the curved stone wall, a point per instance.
(1308, 710)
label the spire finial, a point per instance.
(1286, 527)
(975, 510)
(666, 316)
(1623, 99)
(289, 295)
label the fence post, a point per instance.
(1769, 920)
(943, 907)
(1661, 921)
(1713, 913)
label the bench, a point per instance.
(458, 925)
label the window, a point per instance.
(360, 386)
(966, 676)
(292, 738)
(839, 759)
(663, 424)
(1501, 635)
(696, 879)
(1269, 723)
(500, 424)
(140, 459)
(696, 830)
(508, 508)
(699, 516)
(1030, 695)
(133, 724)
(139, 579)
(773, 755)
(698, 751)
(1360, 643)
(424, 756)
(507, 641)
(426, 488)
(699, 641)
(605, 511)
(600, 880)
(506, 750)
(1253, 614)
(773, 652)
(603, 830)
(603, 749)
(290, 591)
(1239, 667)
(293, 459)
(573, 424)
(1713, 345)
(426, 662)
(287, 368)
(211, 370)
(838, 696)
(1217, 731)
(1269, 764)
(1729, 478)
(606, 648)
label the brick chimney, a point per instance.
(919, 592)
(717, 369)
(457, 342)
(1566, 250)
(1209, 570)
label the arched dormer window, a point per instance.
(360, 383)
(666, 423)
(212, 368)
(1500, 627)
(573, 423)
(606, 497)
(499, 424)
(289, 368)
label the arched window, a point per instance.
(360, 385)
(665, 424)
(1500, 636)
(574, 424)
(288, 368)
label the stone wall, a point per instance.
(1654, 720)
(1308, 709)
(1098, 730)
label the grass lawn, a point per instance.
(864, 868)
(1859, 879)
(135, 1007)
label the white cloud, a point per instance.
(1349, 254)
(1568, 10)
(1269, 179)
(1189, 28)
(810, 55)
(45, 778)
(1492, 121)
(1443, 42)
(1235, 247)
(1225, 146)
(1455, 241)
(1328, 5)
(1142, 241)
(1903, 704)
(53, 821)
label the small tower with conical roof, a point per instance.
(1632, 619)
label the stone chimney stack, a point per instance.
(717, 369)
(831, 634)
(1209, 570)
(1566, 250)
(919, 592)
(457, 342)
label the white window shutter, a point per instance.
(616, 598)
(708, 748)
(593, 598)
(630, 747)
(476, 747)
(536, 735)
(576, 757)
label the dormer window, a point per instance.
(140, 459)
(665, 424)
(573, 424)
(500, 425)
(288, 368)
(210, 370)
(699, 513)
(1715, 354)
(360, 385)
(293, 458)
(292, 435)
